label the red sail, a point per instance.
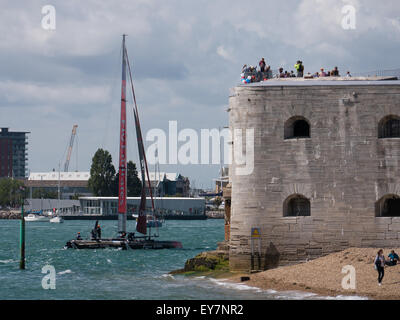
(141, 225)
(122, 151)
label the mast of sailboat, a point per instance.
(58, 203)
(122, 177)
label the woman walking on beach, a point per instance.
(380, 265)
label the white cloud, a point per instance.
(32, 93)
(185, 55)
(222, 52)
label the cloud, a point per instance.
(33, 94)
(185, 56)
(221, 51)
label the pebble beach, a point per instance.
(324, 276)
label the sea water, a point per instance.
(113, 273)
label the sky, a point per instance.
(185, 56)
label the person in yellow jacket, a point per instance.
(299, 68)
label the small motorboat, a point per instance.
(36, 218)
(151, 221)
(56, 219)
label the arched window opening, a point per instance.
(296, 205)
(389, 127)
(388, 206)
(297, 127)
(301, 129)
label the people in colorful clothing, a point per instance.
(299, 68)
(280, 74)
(394, 258)
(335, 72)
(322, 73)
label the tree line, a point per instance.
(103, 181)
(11, 192)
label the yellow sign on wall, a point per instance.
(255, 233)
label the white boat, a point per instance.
(36, 218)
(57, 220)
(151, 221)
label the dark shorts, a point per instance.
(391, 263)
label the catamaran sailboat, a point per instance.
(131, 240)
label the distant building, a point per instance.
(46, 205)
(170, 206)
(71, 183)
(168, 184)
(13, 154)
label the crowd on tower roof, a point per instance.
(252, 74)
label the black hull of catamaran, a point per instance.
(122, 244)
(129, 217)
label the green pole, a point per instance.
(22, 240)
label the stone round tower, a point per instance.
(324, 174)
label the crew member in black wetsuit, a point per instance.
(78, 236)
(98, 232)
(93, 234)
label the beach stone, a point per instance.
(11, 214)
(206, 261)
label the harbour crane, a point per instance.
(71, 143)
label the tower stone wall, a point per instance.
(343, 168)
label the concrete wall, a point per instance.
(343, 169)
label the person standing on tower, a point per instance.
(299, 68)
(262, 65)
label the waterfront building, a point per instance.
(51, 205)
(325, 173)
(72, 184)
(13, 154)
(165, 206)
